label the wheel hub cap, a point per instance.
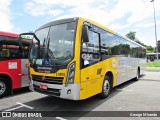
(2, 88)
(106, 87)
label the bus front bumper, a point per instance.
(66, 91)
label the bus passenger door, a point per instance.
(24, 73)
(24, 62)
(90, 57)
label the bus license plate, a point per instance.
(44, 87)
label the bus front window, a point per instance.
(56, 44)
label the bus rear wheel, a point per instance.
(138, 75)
(4, 89)
(106, 87)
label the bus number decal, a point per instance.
(86, 56)
(60, 74)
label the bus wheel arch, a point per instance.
(107, 85)
(6, 85)
(110, 74)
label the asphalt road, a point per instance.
(142, 95)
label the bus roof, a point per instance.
(87, 20)
(8, 34)
(61, 21)
(111, 31)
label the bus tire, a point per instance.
(4, 87)
(106, 87)
(138, 75)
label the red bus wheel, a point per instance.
(3, 87)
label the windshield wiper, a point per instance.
(48, 45)
(44, 42)
(49, 53)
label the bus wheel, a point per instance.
(3, 87)
(106, 88)
(138, 74)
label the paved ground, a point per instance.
(153, 76)
(142, 95)
(153, 69)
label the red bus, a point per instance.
(13, 62)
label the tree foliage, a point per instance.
(150, 48)
(132, 35)
(158, 45)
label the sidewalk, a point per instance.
(152, 76)
(153, 69)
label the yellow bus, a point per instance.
(76, 58)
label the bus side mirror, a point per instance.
(85, 36)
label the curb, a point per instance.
(153, 69)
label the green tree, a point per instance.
(140, 43)
(131, 35)
(158, 42)
(150, 48)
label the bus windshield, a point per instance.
(56, 45)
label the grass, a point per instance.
(153, 64)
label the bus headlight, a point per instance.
(70, 75)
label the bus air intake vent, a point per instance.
(46, 79)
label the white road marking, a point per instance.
(124, 89)
(25, 105)
(60, 118)
(119, 108)
(21, 105)
(14, 108)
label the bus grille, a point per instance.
(49, 91)
(51, 80)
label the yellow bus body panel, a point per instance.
(93, 80)
(90, 82)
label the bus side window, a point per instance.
(5, 53)
(90, 50)
(108, 43)
(0, 50)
